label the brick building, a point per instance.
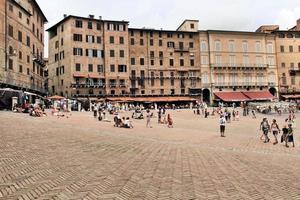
(22, 45)
(95, 58)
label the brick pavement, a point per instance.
(80, 158)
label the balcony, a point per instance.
(240, 66)
(39, 60)
(87, 85)
(294, 72)
(241, 84)
(181, 49)
(112, 85)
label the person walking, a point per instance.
(222, 122)
(284, 135)
(265, 127)
(275, 130)
(170, 121)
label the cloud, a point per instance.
(287, 17)
(245, 15)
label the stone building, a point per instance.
(97, 58)
(22, 45)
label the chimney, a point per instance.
(91, 16)
(65, 15)
(298, 25)
(100, 17)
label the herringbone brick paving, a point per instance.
(81, 158)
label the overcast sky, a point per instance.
(245, 15)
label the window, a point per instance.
(191, 45)
(259, 61)
(142, 61)
(77, 37)
(169, 35)
(28, 71)
(20, 36)
(218, 60)
(258, 46)
(78, 23)
(141, 42)
(28, 59)
(33, 28)
(20, 68)
(152, 62)
(269, 48)
(192, 26)
(181, 62)
(151, 54)
(246, 61)
(90, 25)
(121, 40)
(293, 82)
(160, 43)
(90, 39)
(20, 55)
(192, 62)
(217, 46)
(62, 70)
(283, 65)
(77, 67)
(122, 68)
(100, 68)
(132, 41)
(203, 46)
(122, 53)
(271, 60)
(292, 66)
(141, 33)
(112, 68)
(98, 26)
(112, 53)
(77, 52)
(10, 64)
(204, 60)
(171, 44)
(98, 39)
(111, 40)
(245, 46)
(90, 67)
(231, 46)
(62, 28)
(291, 48)
(28, 41)
(132, 61)
(161, 62)
(62, 82)
(281, 49)
(289, 35)
(281, 35)
(20, 15)
(180, 35)
(232, 60)
(171, 62)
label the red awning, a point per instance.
(151, 99)
(231, 96)
(80, 75)
(259, 95)
(296, 96)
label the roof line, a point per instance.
(40, 10)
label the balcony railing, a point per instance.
(241, 84)
(87, 85)
(181, 49)
(243, 66)
(39, 60)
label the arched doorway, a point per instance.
(206, 95)
(273, 91)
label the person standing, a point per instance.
(275, 130)
(170, 121)
(148, 118)
(284, 135)
(265, 127)
(290, 135)
(222, 125)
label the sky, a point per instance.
(242, 15)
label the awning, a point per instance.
(231, 96)
(296, 96)
(259, 95)
(80, 75)
(94, 76)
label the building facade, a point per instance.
(22, 45)
(97, 58)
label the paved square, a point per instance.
(81, 158)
